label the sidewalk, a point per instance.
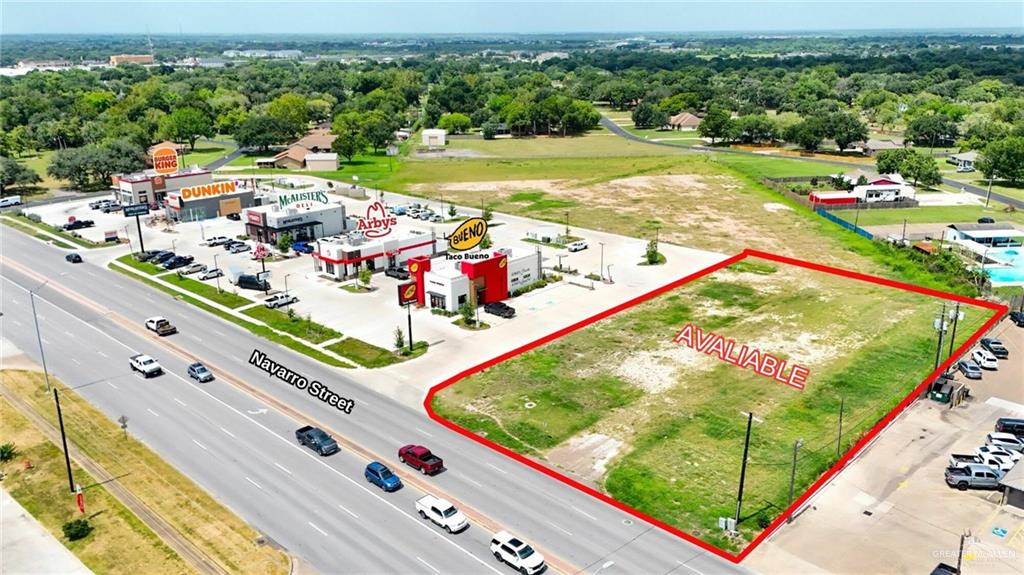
(27, 547)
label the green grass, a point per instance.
(929, 215)
(1006, 188)
(259, 330)
(356, 288)
(370, 168)
(776, 166)
(472, 325)
(144, 267)
(595, 143)
(368, 355)
(224, 298)
(42, 226)
(206, 152)
(38, 162)
(297, 326)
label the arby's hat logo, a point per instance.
(378, 221)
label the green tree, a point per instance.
(467, 310)
(365, 275)
(931, 130)
(261, 132)
(14, 174)
(485, 242)
(756, 128)
(186, 125)
(293, 110)
(399, 338)
(73, 165)
(651, 254)
(717, 124)
(921, 168)
(489, 130)
(1004, 160)
(348, 128)
(808, 133)
(229, 121)
(647, 115)
(846, 128)
(455, 123)
(77, 529)
(19, 140)
(284, 242)
(890, 161)
(379, 129)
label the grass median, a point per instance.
(298, 326)
(144, 267)
(183, 504)
(259, 330)
(371, 356)
(42, 226)
(224, 298)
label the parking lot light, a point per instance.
(286, 283)
(601, 268)
(218, 276)
(173, 242)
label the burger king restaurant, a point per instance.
(151, 187)
(208, 201)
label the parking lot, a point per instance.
(373, 316)
(903, 517)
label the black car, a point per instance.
(1017, 317)
(1010, 425)
(177, 262)
(235, 217)
(500, 309)
(986, 221)
(247, 281)
(73, 258)
(79, 224)
(163, 257)
(996, 347)
(147, 255)
(397, 273)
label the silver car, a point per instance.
(210, 274)
(239, 247)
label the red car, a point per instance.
(421, 458)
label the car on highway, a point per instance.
(1006, 441)
(160, 326)
(217, 241)
(397, 273)
(177, 262)
(200, 372)
(210, 273)
(973, 476)
(192, 269)
(73, 258)
(378, 474)
(969, 369)
(79, 224)
(984, 359)
(442, 513)
(239, 248)
(420, 458)
(145, 365)
(317, 439)
(578, 245)
(1012, 425)
(500, 309)
(996, 451)
(517, 554)
(278, 300)
(995, 347)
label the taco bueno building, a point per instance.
(484, 278)
(342, 257)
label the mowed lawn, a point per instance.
(674, 417)
(595, 143)
(207, 151)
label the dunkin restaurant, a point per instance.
(208, 201)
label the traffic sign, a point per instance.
(136, 210)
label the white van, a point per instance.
(578, 245)
(9, 201)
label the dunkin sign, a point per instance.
(165, 160)
(378, 221)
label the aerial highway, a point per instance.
(235, 436)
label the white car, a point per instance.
(240, 247)
(985, 359)
(217, 241)
(210, 274)
(145, 365)
(992, 450)
(1007, 441)
(576, 246)
(519, 555)
(192, 269)
(278, 300)
(441, 512)
(10, 201)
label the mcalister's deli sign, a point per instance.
(302, 199)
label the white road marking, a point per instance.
(180, 402)
(690, 568)
(423, 432)
(200, 445)
(254, 483)
(583, 513)
(342, 507)
(101, 354)
(111, 385)
(220, 333)
(322, 532)
(473, 482)
(16, 322)
(153, 412)
(434, 569)
(90, 274)
(45, 341)
(282, 468)
(76, 361)
(14, 300)
(496, 469)
(560, 529)
(68, 333)
(199, 339)
(228, 432)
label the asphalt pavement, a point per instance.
(235, 437)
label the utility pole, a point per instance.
(903, 238)
(64, 441)
(960, 554)
(39, 338)
(957, 315)
(743, 469)
(792, 475)
(988, 196)
(940, 326)
(839, 437)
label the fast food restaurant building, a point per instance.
(342, 257)
(208, 201)
(149, 187)
(477, 277)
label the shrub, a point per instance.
(8, 452)
(763, 521)
(399, 338)
(468, 311)
(801, 189)
(444, 312)
(35, 218)
(77, 529)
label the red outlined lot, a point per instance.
(999, 312)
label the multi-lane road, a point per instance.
(235, 437)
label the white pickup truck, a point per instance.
(442, 513)
(146, 365)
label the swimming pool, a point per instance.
(1011, 270)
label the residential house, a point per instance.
(965, 162)
(684, 121)
(873, 146)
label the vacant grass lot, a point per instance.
(596, 143)
(210, 526)
(119, 543)
(225, 298)
(298, 326)
(206, 152)
(659, 426)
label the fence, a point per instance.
(777, 185)
(853, 228)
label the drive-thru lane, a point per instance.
(572, 526)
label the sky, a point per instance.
(428, 17)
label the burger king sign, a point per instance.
(165, 160)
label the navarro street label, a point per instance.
(296, 380)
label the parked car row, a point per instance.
(78, 224)
(985, 356)
(986, 466)
(417, 212)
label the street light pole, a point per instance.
(792, 474)
(601, 269)
(286, 283)
(217, 277)
(64, 441)
(39, 337)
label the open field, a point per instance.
(598, 142)
(206, 152)
(659, 426)
(38, 162)
(192, 512)
(371, 169)
(120, 543)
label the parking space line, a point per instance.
(473, 482)
(569, 533)
(496, 469)
(322, 532)
(254, 483)
(279, 466)
(434, 569)
(690, 568)
(153, 412)
(16, 322)
(342, 507)
(76, 361)
(200, 445)
(101, 354)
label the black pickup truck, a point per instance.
(317, 440)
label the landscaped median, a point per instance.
(119, 542)
(371, 356)
(18, 218)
